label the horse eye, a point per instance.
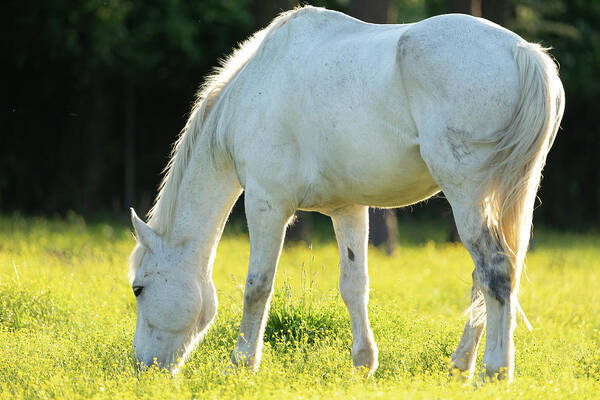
(137, 290)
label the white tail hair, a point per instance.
(509, 191)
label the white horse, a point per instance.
(323, 112)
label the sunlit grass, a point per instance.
(67, 317)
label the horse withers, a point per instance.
(323, 112)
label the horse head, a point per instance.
(174, 304)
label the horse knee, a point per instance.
(258, 288)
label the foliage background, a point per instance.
(95, 91)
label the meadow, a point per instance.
(67, 319)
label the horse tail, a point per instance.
(519, 154)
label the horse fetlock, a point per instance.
(498, 368)
(246, 358)
(463, 362)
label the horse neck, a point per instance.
(204, 200)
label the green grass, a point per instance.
(67, 317)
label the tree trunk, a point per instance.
(301, 229)
(383, 229)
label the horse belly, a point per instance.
(379, 175)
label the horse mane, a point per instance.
(161, 213)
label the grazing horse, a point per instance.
(323, 112)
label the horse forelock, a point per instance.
(162, 212)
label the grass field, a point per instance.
(67, 317)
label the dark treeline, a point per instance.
(97, 90)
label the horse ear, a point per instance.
(144, 234)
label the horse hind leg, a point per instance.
(456, 165)
(463, 359)
(498, 282)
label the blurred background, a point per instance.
(95, 92)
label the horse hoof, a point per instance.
(365, 360)
(497, 373)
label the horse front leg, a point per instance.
(266, 226)
(463, 359)
(351, 230)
